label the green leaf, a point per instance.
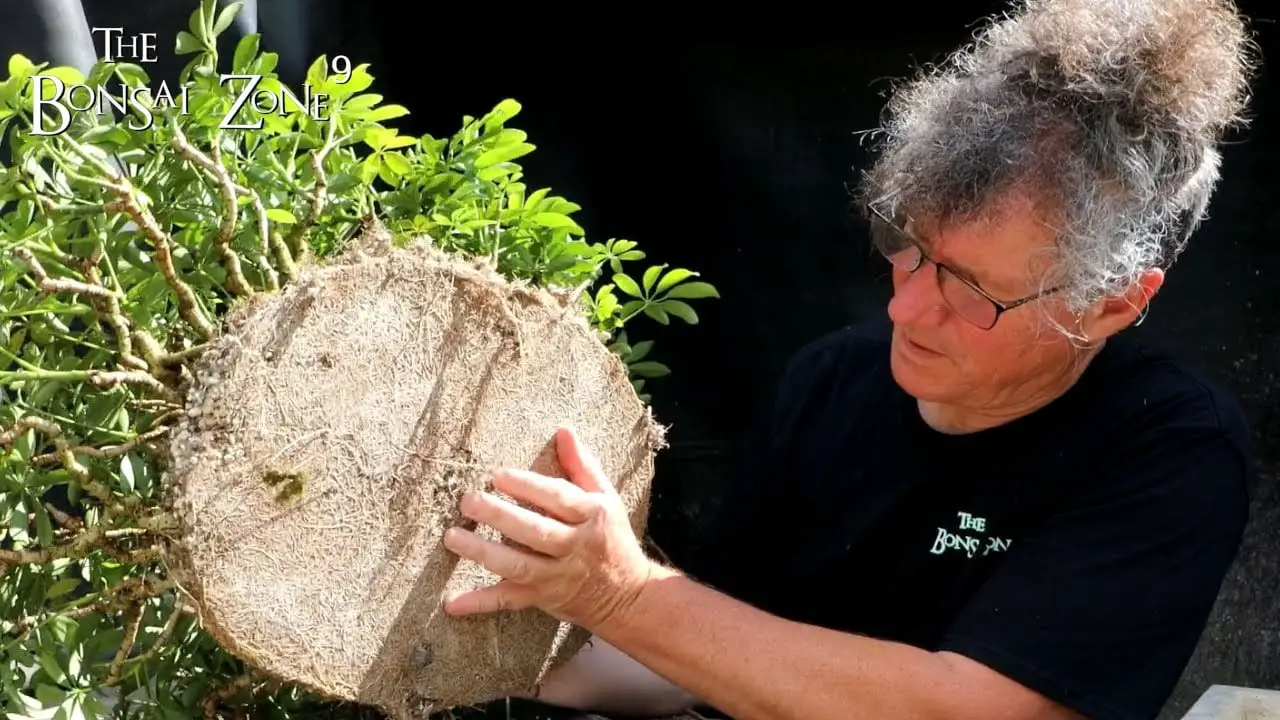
(20, 66)
(198, 23)
(226, 17)
(398, 141)
(641, 350)
(51, 665)
(67, 74)
(693, 291)
(44, 526)
(649, 369)
(627, 285)
(187, 44)
(503, 154)
(651, 276)
(281, 215)
(675, 277)
(246, 51)
(658, 314)
(318, 71)
(62, 587)
(681, 310)
(126, 474)
(50, 696)
(397, 163)
(387, 112)
(362, 102)
(555, 220)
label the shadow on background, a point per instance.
(731, 153)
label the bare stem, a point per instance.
(243, 683)
(64, 520)
(212, 164)
(188, 306)
(128, 592)
(103, 453)
(319, 197)
(166, 633)
(78, 548)
(58, 438)
(112, 314)
(130, 639)
(107, 380)
(50, 285)
(213, 167)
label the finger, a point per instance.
(580, 463)
(562, 499)
(537, 532)
(503, 596)
(501, 560)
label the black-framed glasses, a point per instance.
(962, 295)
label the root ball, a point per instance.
(328, 437)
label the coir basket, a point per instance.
(327, 439)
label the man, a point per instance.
(998, 507)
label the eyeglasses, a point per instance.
(962, 295)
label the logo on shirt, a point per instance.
(969, 538)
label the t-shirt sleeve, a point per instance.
(1102, 607)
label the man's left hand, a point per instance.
(584, 564)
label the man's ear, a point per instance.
(1114, 313)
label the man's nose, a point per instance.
(916, 298)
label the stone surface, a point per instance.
(1228, 702)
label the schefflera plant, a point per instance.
(125, 240)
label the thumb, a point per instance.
(579, 462)
(503, 596)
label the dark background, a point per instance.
(730, 149)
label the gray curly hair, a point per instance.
(1108, 112)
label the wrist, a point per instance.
(631, 614)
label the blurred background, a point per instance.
(729, 148)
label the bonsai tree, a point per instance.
(127, 244)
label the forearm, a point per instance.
(600, 678)
(754, 665)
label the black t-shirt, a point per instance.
(1078, 550)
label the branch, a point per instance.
(213, 167)
(319, 197)
(103, 453)
(79, 548)
(130, 639)
(264, 233)
(165, 634)
(108, 380)
(112, 314)
(97, 537)
(65, 521)
(245, 682)
(128, 592)
(49, 285)
(188, 307)
(55, 435)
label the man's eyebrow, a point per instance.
(927, 244)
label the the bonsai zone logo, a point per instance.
(54, 99)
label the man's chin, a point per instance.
(923, 381)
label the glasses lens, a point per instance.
(965, 301)
(894, 244)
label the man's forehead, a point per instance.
(999, 250)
